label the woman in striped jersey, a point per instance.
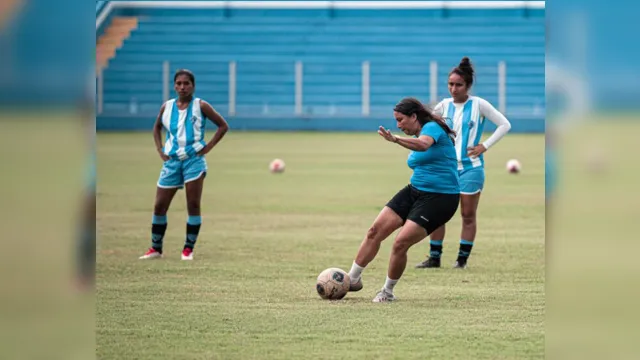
(184, 164)
(466, 115)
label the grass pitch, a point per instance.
(249, 293)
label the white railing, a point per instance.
(166, 81)
(298, 92)
(232, 88)
(366, 108)
(433, 82)
(502, 87)
(366, 88)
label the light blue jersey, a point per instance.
(185, 129)
(435, 170)
(467, 120)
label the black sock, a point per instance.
(193, 228)
(465, 250)
(436, 249)
(158, 228)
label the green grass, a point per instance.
(250, 294)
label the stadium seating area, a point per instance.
(332, 45)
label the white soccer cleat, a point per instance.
(151, 254)
(187, 254)
(383, 296)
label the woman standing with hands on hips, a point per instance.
(184, 165)
(466, 115)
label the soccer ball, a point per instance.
(276, 166)
(513, 166)
(333, 284)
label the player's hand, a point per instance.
(475, 151)
(204, 151)
(387, 135)
(163, 156)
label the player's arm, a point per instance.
(421, 143)
(157, 134)
(492, 114)
(217, 119)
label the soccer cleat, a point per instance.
(429, 263)
(384, 296)
(460, 264)
(187, 254)
(151, 254)
(356, 286)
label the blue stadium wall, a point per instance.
(331, 44)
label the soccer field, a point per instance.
(250, 291)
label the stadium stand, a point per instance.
(331, 44)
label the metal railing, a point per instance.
(366, 107)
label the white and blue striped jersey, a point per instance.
(185, 129)
(467, 120)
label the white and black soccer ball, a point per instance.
(333, 284)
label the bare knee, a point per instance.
(468, 217)
(193, 206)
(160, 208)
(438, 234)
(400, 247)
(372, 233)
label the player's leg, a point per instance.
(168, 184)
(384, 225)
(471, 185)
(389, 220)
(164, 196)
(436, 239)
(468, 210)
(87, 242)
(410, 235)
(195, 171)
(429, 212)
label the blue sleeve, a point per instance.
(433, 130)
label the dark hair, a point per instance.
(465, 70)
(409, 106)
(185, 72)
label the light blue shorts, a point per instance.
(175, 173)
(471, 180)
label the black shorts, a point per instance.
(427, 209)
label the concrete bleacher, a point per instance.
(265, 44)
